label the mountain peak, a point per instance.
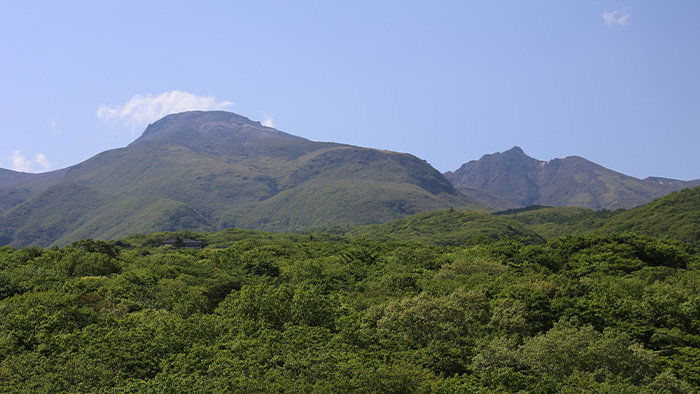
(194, 119)
(515, 149)
(209, 130)
(202, 116)
(572, 181)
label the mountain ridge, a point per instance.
(211, 170)
(571, 181)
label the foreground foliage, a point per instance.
(580, 314)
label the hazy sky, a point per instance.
(617, 82)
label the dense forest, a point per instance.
(295, 313)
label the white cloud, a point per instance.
(41, 160)
(53, 126)
(267, 122)
(141, 110)
(22, 164)
(616, 17)
(19, 162)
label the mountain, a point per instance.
(208, 171)
(572, 181)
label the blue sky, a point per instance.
(617, 82)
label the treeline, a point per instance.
(617, 313)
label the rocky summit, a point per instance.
(572, 181)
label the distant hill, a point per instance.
(552, 222)
(572, 181)
(208, 171)
(447, 228)
(674, 216)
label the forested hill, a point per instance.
(572, 181)
(207, 171)
(675, 216)
(446, 228)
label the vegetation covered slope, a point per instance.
(67, 211)
(581, 314)
(674, 216)
(214, 170)
(573, 181)
(553, 222)
(17, 187)
(446, 228)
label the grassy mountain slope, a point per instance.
(66, 212)
(207, 184)
(372, 186)
(138, 215)
(11, 197)
(486, 198)
(573, 181)
(18, 187)
(214, 170)
(10, 178)
(50, 214)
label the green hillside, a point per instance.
(552, 222)
(486, 198)
(48, 215)
(448, 227)
(67, 212)
(675, 216)
(17, 187)
(216, 170)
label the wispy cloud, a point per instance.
(267, 121)
(41, 160)
(616, 17)
(22, 164)
(141, 110)
(53, 126)
(19, 162)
